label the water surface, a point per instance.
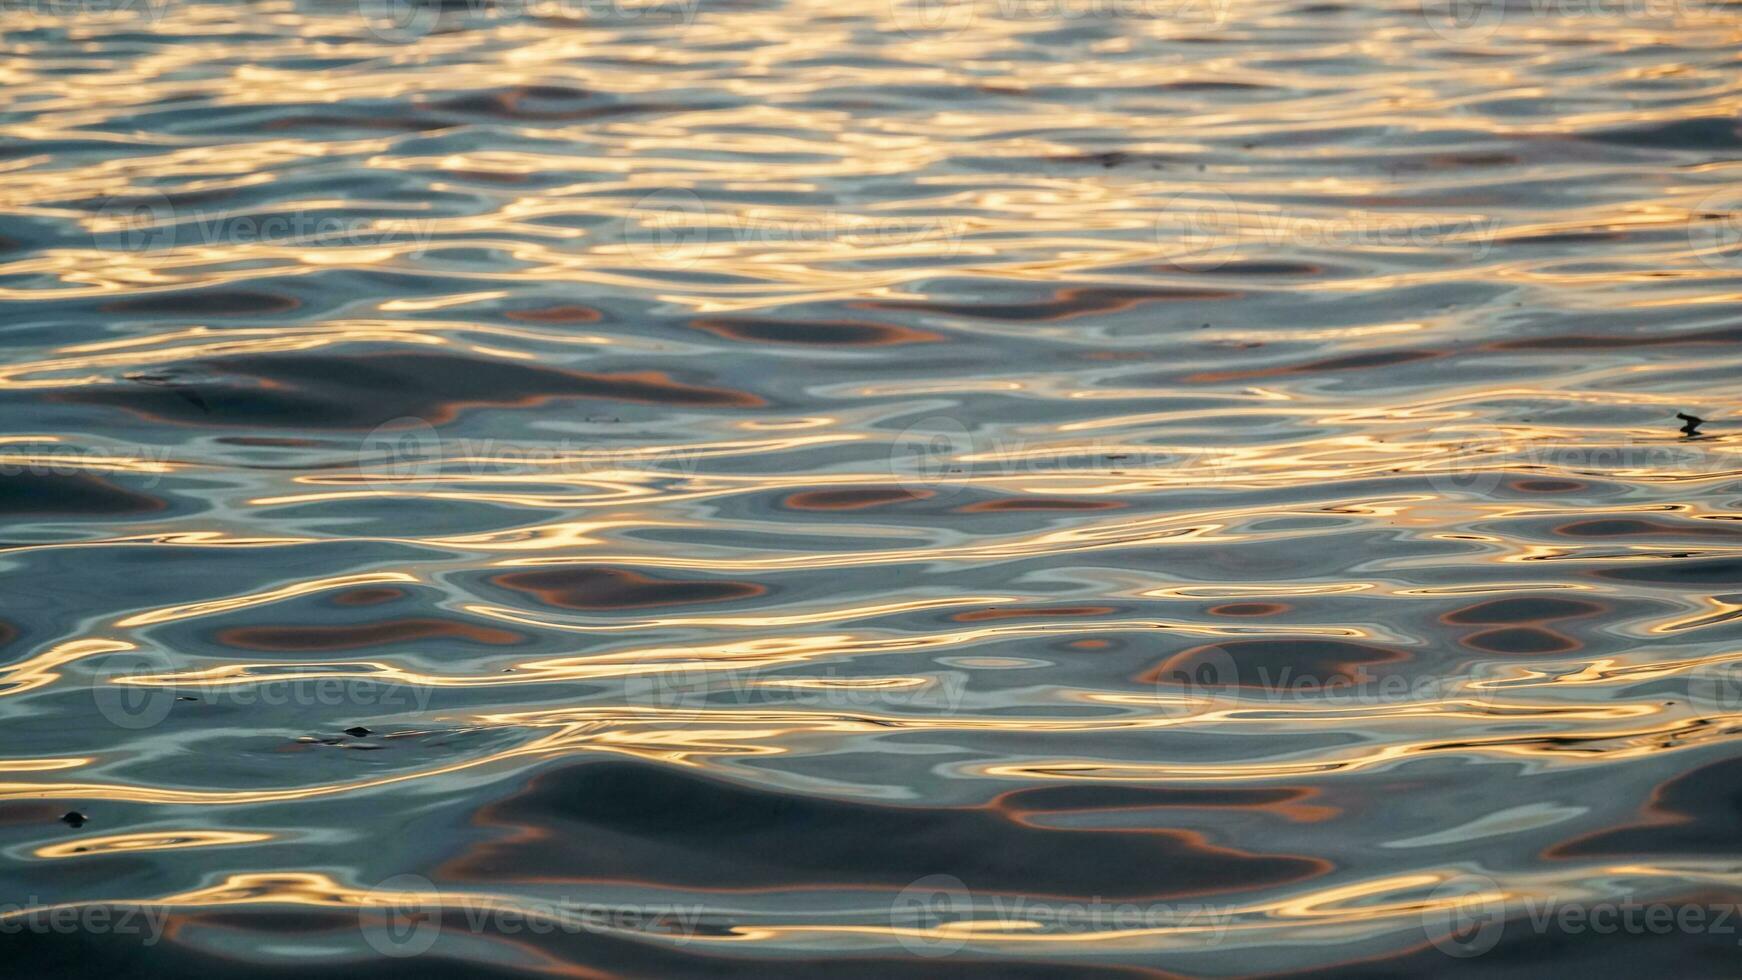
(797, 488)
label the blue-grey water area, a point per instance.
(795, 488)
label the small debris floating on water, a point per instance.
(1693, 423)
(358, 732)
(73, 818)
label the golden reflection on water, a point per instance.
(879, 408)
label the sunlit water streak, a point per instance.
(781, 487)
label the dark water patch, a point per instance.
(1137, 807)
(1065, 304)
(1548, 486)
(836, 333)
(1617, 527)
(1656, 337)
(1703, 573)
(70, 496)
(1048, 612)
(1249, 609)
(269, 442)
(1525, 609)
(1707, 133)
(1109, 159)
(1522, 640)
(854, 498)
(25, 813)
(361, 391)
(634, 821)
(544, 103)
(207, 302)
(320, 639)
(1698, 813)
(374, 596)
(1565, 238)
(1213, 85)
(1262, 269)
(591, 587)
(557, 314)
